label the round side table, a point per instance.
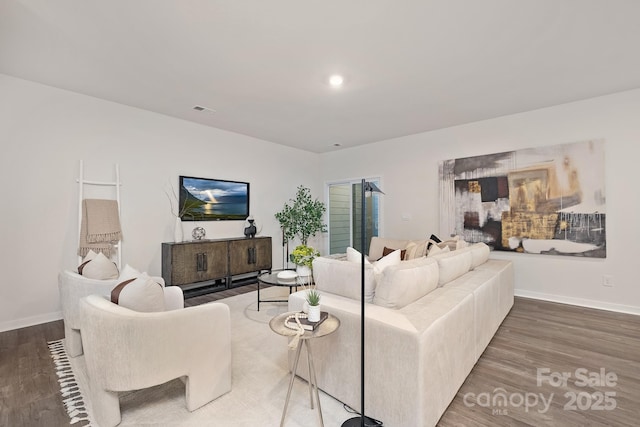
(328, 326)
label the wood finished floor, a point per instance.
(535, 334)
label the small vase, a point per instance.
(304, 274)
(314, 313)
(177, 231)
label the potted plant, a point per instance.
(302, 217)
(313, 299)
(302, 256)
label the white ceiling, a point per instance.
(410, 65)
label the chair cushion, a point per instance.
(140, 293)
(98, 266)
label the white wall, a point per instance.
(409, 170)
(45, 132)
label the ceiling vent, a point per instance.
(203, 109)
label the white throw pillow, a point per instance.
(435, 250)
(139, 294)
(98, 266)
(391, 259)
(353, 255)
(415, 249)
(410, 251)
(127, 273)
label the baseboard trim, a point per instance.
(620, 308)
(30, 321)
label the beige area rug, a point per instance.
(260, 380)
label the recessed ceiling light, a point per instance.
(336, 145)
(336, 80)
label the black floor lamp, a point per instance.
(363, 420)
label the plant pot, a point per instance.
(304, 274)
(314, 313)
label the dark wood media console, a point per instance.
(203, 266)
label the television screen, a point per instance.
(204, 199)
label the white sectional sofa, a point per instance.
(428, 322)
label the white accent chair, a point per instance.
(128, 350)
(74, 287)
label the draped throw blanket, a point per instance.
(100, 226)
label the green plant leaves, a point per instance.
(302, 216)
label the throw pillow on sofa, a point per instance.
(127, 273)
(435, 250)
(354, 255)
(415, 249)
(140, 293)
(390, 259)
(98, 266)
(387, 251)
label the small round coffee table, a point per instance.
(272, 279)
(328, 326)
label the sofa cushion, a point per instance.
(343, 278)
(404, 283)
(479, 254)
(452, 265)
(98, 266)
(140, 293)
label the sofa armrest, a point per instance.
(173, 298)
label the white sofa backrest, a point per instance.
(343, 278)
(452, 265)
(402, 284)
(479, 253)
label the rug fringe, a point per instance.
(73, 400)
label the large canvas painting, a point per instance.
(544, 200)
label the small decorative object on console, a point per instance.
(198, 233)
(250, 231)
(287, 276)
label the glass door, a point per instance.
(345, 215)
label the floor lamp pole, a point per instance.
(362, 420)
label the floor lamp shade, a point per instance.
(363, 420)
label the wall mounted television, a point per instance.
(205, 199)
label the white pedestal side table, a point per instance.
(328, 326)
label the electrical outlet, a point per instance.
(607, 280)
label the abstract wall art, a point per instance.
(544, 200)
